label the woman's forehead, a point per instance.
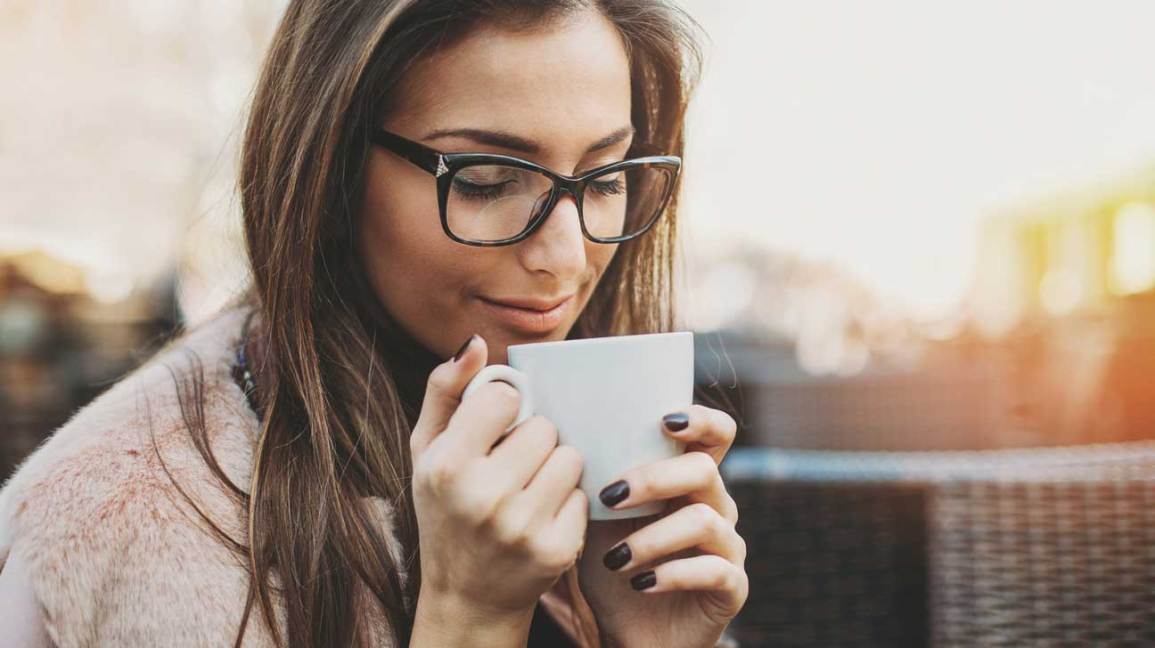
(569, 79)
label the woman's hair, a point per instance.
(340, 382)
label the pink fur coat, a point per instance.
(114, 554)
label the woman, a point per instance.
(356, 499)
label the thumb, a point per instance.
(443, 392)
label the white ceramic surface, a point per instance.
(607, 397)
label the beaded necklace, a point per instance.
(241, 373)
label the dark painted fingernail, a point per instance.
(617, 557)
(644, 580)
(457, 356)
(676, 422)
(615, 492)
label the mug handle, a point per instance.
(509, 375)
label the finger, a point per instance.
(480, 420)
(693, 526)
(708, 572)
(443, 392)
(554, 482)
(572, 518)
(521, 454)
(693, 475)
(702, 428)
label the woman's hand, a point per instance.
(689, 563)
(497, 525)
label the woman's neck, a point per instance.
(411, 362)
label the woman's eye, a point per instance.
(609, 187)
(477, 190)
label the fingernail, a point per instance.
(644, 580)
(615, 492)
(457, 356)
(676, 422)
(617, 557)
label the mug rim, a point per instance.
(607, 340)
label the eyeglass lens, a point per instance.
(494, 202)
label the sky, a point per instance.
(874, 135)
(879, 134)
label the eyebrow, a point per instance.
(516, 143)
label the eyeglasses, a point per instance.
(491, 200)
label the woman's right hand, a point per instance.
(497, 525)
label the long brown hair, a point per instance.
(339, 381)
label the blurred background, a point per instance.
(911, 228)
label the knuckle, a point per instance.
(538, 547)
(441, 380)
(722, 576)
(475, 516)
(731, 509)
(568, 457)
(643, 547)
(641, 481)
(436, 473)
(571, 556)
(474, 504)
(580, 496)
(703, 464)
(559, 563)
(540, 426)
(703, 470)
(728, 425)
(740, 545)
(420, 447)
(502, 394)
(645, 481)
(706, 517)
(575, 552)
(551, 555)
(720, 422)
(510, 530)
(701, 412)
(540, 421)
(736, 577)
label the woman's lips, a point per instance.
(525, 320)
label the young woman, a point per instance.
(414, 175)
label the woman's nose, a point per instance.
(558, 246)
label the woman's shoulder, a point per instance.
(122, 486)
(118, 452)
(140, 423)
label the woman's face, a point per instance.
(561, 89)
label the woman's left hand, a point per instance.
(678, 579)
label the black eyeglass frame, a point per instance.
(443, 166)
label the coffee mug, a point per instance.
(607, 397)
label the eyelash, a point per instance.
(472, 191)
(611, 188)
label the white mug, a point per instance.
(607, 397)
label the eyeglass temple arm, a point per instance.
(418, 154)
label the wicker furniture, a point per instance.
(1030, 547)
